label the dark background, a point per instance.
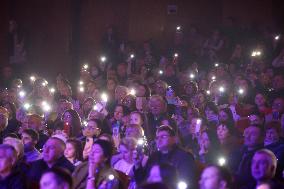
(62, 33)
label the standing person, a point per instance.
(72, 123)
(30, 139)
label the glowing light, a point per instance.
(161, 72)
(277, 37)
(52, 90)
(213, 77)
(22, 94)
(208, 92)
(216, 65)
(255, 53)
(104, 97)
(182, 185)
(86, 66)
(140, 141)
(81, 89)
(241, 91)
(111, 177)
(81, 83)
(221, 89)
(133, 92)
(176, 55)
(32, 78)
(27, 106)
(192, 76)
(103, 59)
(221, 161)
(45, 106)
(85, 123)
(132, 56)
(178, 28)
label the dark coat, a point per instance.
(15, 180)
(179, 158)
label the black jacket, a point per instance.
(39, 167)
(15, 180)
(179, 158)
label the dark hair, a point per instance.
(61, 176)
(167, 128)
(12, 106)
(147, 90)
(230, 122)
(78, 148)
(224, 174)
(32, 133)
(125, 109)
(106, 147)
(98, 122)
(212, 106)
(156, 185)
(75, 124)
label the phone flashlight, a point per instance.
(81, 89)
(192, 76)
(132, 56)
(213, 77)
(52, 90)
(241, 91)
(85, 66)
(132, 92)
(208, 92)
(277, 37)
(216, 65)
(32, 78)
(22, 94)
(104, 97)
(161, 72)
(221, 161)
(178, 28)
(103, 59)
(182, 185)
(221, 89)
(176, 55)
(27, 106)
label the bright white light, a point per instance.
(176, 55)
(221, 161)
(86, 66)
(22, 94)
(208, 92)
(104, 97)
(132, 92)
(132, 56)
(45, 106)
(213, 77)
(255, 53)
(85, 123)
(198, 121)
(44, 84)
(111, 177)
(81, 83)
(19, 86)
(140, 141)
(32, 78)
(277, 37)
(182, 185)
(52, 90)
(81, 89)
(241, 91)
(103, 58)
(192, 76)
(161, 72)
(178, 28)
(221, 89)
(27, 106)
(216, 64)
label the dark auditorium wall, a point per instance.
(64, 31)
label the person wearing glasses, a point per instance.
(168, 152)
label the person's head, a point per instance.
(53, 149)
(111, 84)
(4, 117)
(215, 177)
(278, 105)
(260, 99)
(120, 93)
(272, 133)
(8, 159)
(226, 116)
(93, 128)
(192, 113)
(142, 90)
(263, 166)
(136, 118)
(163, 173)
(160, 88)
(224, 132)
(30, 138)
(56, 178)
(134, 130)
(126, 148)
(63, 105)
(278, 82)
(88, 104)
(11, 107)
(34, 122)
(101, 152)
(73, 119)
(73, 150)
(194, 124)
(165, 138)
(190, 88)
(17, 144)
(211, 109)
(253, 136)
(256, 119)
(119, 112)
(157, 105)
(121, 70)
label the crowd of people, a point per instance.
(204, 113)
